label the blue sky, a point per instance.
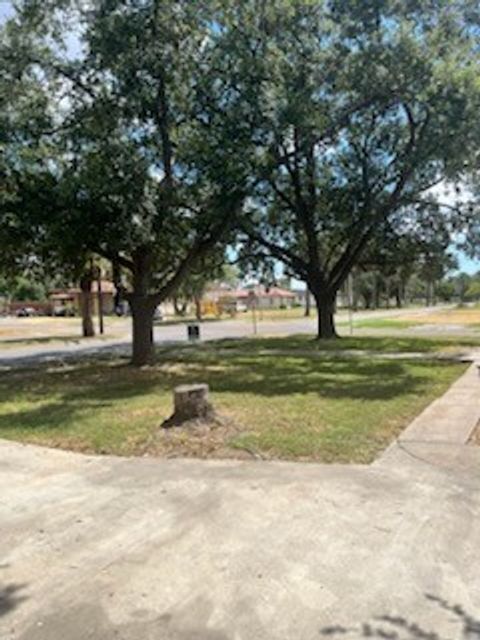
(468, 265)
(5, 9)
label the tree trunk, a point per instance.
(198, 308)
(326, 319)
(308, 303)
(355, 300)
(376, 303)
(398, 298)
(428, 297)
(142, 308)
(180, 307)
(86, 305)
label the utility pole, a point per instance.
(101, 326)
(253, 304)
(350, 301)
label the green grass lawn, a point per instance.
(292, 406)
(376, 344)
(386, 323)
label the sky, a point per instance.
(5, 9)
(466, 264)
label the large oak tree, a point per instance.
(141, 130)
(362, 108)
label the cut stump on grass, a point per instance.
(191, 402)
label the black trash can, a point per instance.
(193, 332)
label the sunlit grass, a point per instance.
(299, 404)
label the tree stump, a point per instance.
(191, 402)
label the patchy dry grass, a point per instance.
(47, 331)
(318, 406)
(460, 316)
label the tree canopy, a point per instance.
(362, 109)
(137, 132)
(151, 133)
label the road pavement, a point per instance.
(167, 333)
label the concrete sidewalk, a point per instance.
(142, 549)
(444, 425)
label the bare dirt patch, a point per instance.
(25, 332)
(199, 439)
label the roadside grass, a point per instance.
(293, 406)
(45, 330)
(187, 319)
(278, 314)
(367, 343)
(458, 316)
(386, 323)
(14, 343)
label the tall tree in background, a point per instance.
(139, 147)
(396, 253)
(363, 107)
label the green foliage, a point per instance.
(138, 144)
(323, 123)
(398, 264)
(137, 163)
(473, 290)
(362, 108)
(446, 290)
(28, 290)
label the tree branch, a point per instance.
(281, 253)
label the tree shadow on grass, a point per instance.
(400, 627)
(375, 344)
(52, 415)
(56, 398)
(62, 395)
(266, 376)
(274, 376)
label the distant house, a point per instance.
(238, 300)
(235, 301)
(273, 298)
(66, 301)
(300, 296)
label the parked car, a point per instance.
(158, 315)
(26, 312)
(64, 312)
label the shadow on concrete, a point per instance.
(11, 597)
(398, 627)
(194, 622)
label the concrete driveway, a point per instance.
(109, 548)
